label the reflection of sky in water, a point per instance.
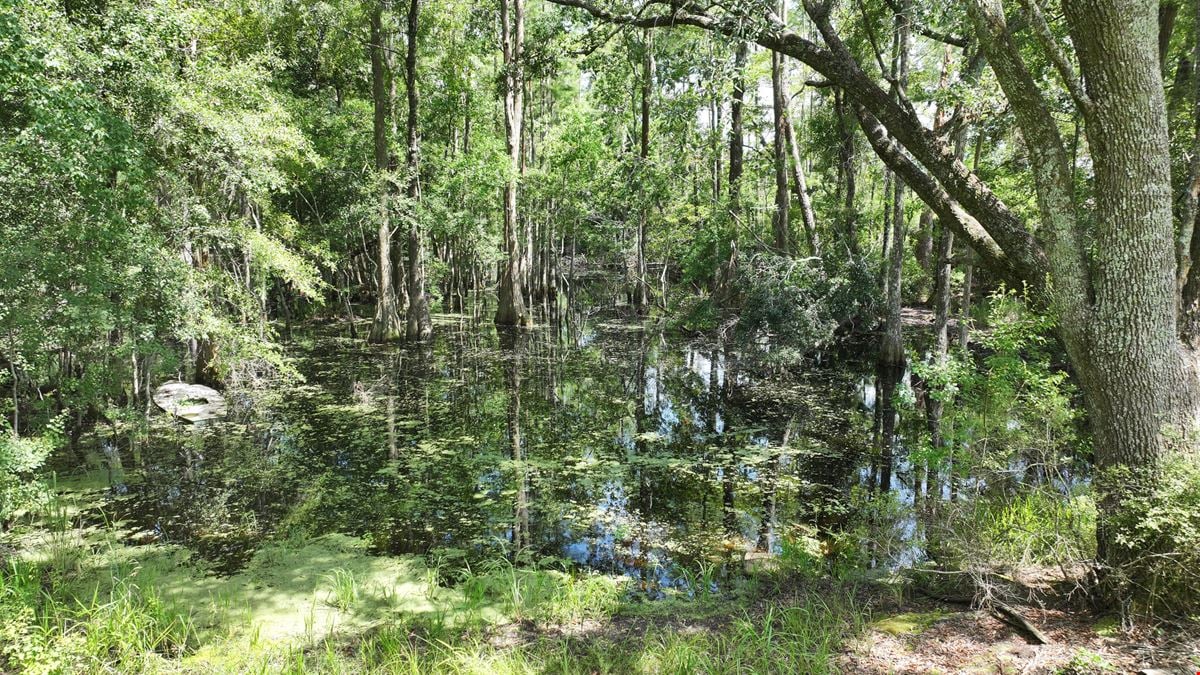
(599, 494)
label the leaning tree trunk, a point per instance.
(511, 309)
(419, 327)
(386, 325)
(800, 185)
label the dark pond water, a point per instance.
(604, 442)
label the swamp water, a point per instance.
(601, 444)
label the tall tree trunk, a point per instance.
(800, 185)
(511, 309)
(728, 271)
(891, 351)
(846, 174)
(1136, 375)
(943, 268)
(1167, 12)
(386, 325)
(891, 348)
(641, 291)
(419, 325)
(1188, 243)
(781, 217)
(964, 307)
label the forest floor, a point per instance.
(77, 595)
(923, 636)
(327, 605)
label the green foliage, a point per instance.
(800, 303)
(1086, 662)
(1011, 407)
(1011, 424)
(1038, 527)
(1158, 535)
(141, 210)
(127, 628)
(20, 460)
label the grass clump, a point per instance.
(545, 596)
(343, 589)
(1036, 527)
(126, 627)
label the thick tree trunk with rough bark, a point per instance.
(1137, 376)
(386, 325)
(511, 309)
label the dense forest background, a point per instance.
(188, 185)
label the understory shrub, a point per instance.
(20, 459)
(800, 302)
(1162, 525)
(1036, 527)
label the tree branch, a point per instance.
(1049, 161)
(926, 31)
(1065, 70)
(937, 199)
(836, 64)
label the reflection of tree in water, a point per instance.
(887, 380)
(605, 443)
(512, 343)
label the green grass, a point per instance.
(133, 631)
(126, 628)
(114, 614)
(343, 589)
(784, 638)
(76, 599)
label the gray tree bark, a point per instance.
(800, 185)
(386, 325)
(419, 326)
(728, 271)
(781, 217)
(511, 309)
(641, 290)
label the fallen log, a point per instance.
(1014, 618)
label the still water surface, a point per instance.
(605, 442)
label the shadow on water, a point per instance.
(599, 442)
